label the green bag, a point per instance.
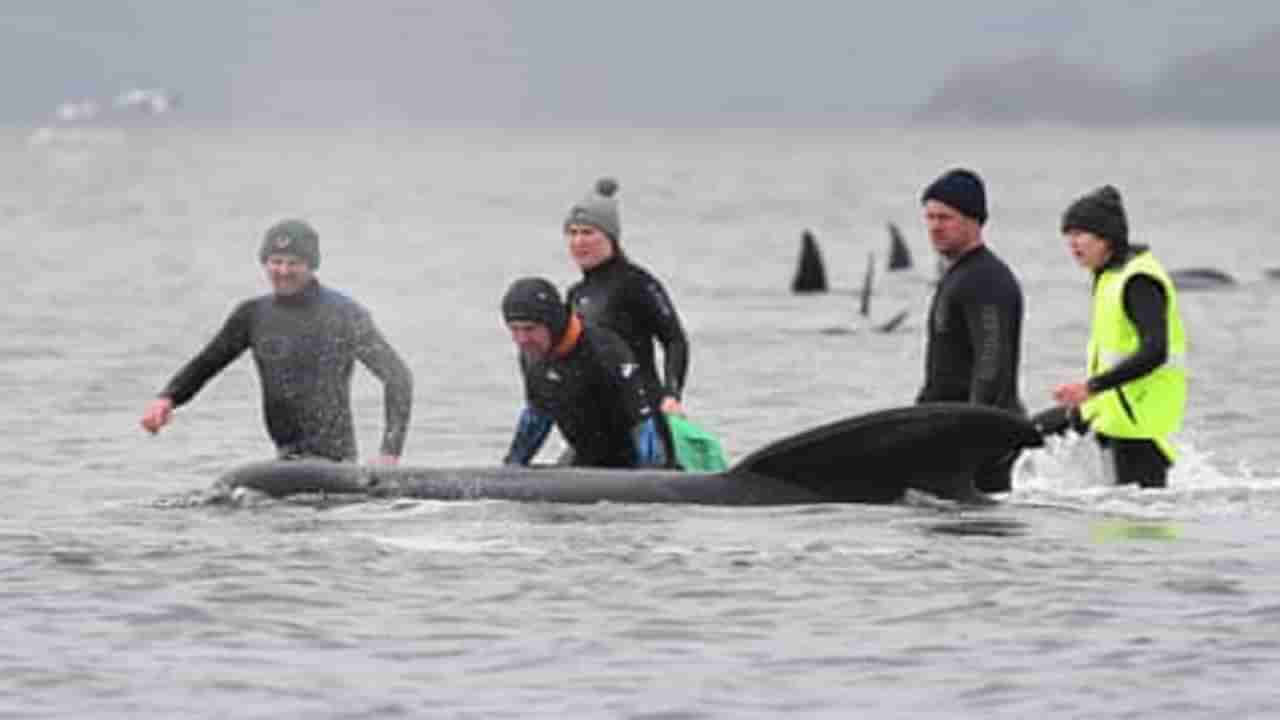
(697, 450)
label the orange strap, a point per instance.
(570, 338)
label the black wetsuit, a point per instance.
(595, 396)
(974, 344)
(305, 346)
(975, 334)
(627, 299)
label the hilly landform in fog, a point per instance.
(1231, 86)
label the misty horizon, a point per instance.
(503, 63)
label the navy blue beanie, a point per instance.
(960, 189)
(534, 299)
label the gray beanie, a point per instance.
(291, 237)
(1101, 212)
(599, 209)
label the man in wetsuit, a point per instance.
(975, 318)
(305, 339)
(1136, 389)
(581, 378)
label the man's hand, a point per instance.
(158, 414)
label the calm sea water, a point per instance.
(122, 595)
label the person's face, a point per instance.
(288, 274)
(1089, 250)
(588, 245)
(951, 232)
(532, 338)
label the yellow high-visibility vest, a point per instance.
(1150, 407)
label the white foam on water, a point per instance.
(445, 541)
(1074, 470)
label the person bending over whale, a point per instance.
(582, 379)
(1135, 392)
(305, 339)
(975, 317)
(624, 297)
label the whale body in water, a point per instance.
(872, 458)
(1201, 278)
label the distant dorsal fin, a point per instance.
(899, 254)
(868, 281)
(811, 274)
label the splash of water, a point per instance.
(1072, 470)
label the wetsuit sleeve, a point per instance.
(661, 317)
(1145, 304)
(225, 347)
(531, 432)
(648, 447)
(621, 373)
(385, 363)
(991, 334)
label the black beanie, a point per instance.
(534, 299)
(291, 237)
(1101, 212)
(960, 189)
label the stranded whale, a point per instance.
(872, 458)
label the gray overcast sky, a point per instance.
(569, 62)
